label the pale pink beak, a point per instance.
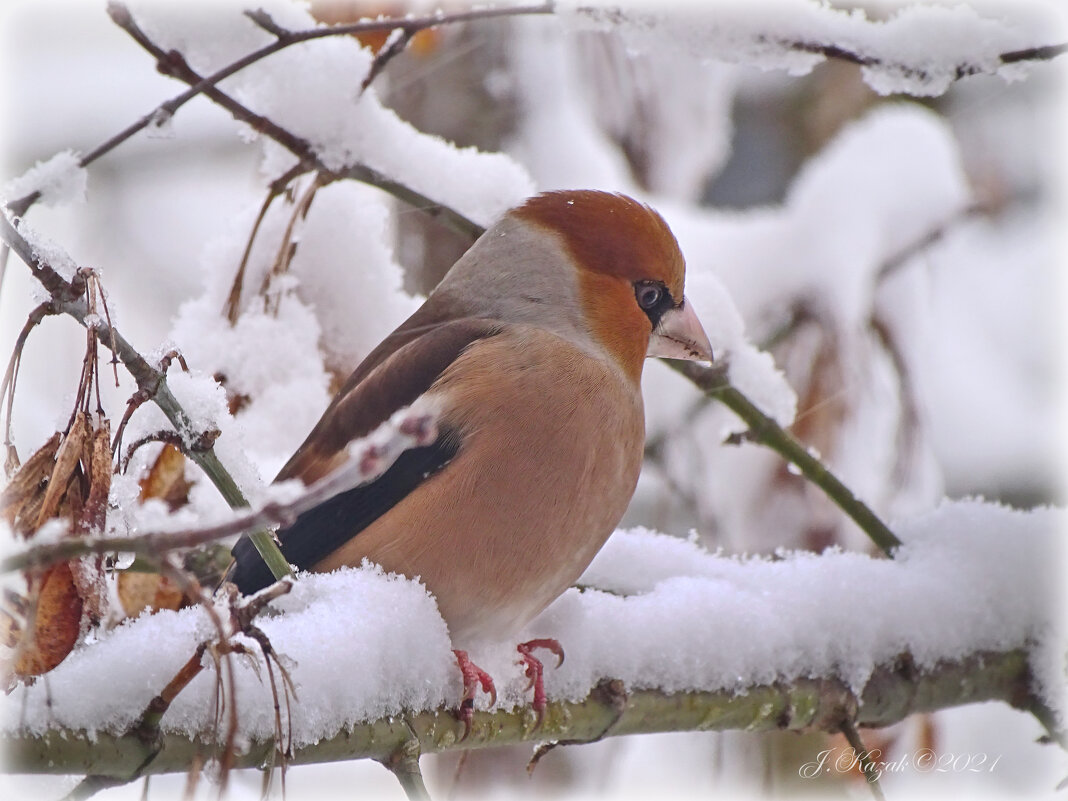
(679, 335)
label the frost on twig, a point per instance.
(369, 457)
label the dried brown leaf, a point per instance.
(55, 626)
(21, 499)
(69, 477)
(97, 466)
(166, 478)
(140, 591)
(67, 458)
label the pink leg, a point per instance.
(474, 677)
(535, 670)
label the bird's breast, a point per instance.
(550, 447)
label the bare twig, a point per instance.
(871, 772)
(67, 299)
(612, 693)
(277, 187)
(403, 763)
(910, 423)
(135, 402)
(287, 247)
(7, 386)
(394, 46)
(166, 436)
(926, 240)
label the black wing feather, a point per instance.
(322, 530)
(429, 345)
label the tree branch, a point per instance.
(174, 65)
(765, 431)
(893, 692)
(370, 457)
(839, 53)
(284, 38)
(67, 297)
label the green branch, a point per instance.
(893, 692)
(152, 382)
(765, 431)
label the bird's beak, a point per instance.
(679, 335)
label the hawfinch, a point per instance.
(532, 348)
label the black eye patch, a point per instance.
(654, 299)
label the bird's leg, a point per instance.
(535, 669)
(474, 677)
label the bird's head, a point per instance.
(629, 271)
(597, 268)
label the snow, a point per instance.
(48, 252)
(344, 251)
(918, 49)
(882, 183)
(360, 644)
(750, 370)
(313, 90)
(886, 181)
(60, 180)
(973, 315)
(990, 287)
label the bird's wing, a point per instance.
(393, 382)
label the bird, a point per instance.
(532, 348)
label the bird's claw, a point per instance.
(474, 678)
(535, 670)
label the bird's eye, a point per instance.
(648, 295)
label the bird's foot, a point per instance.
(535, 670)
(474, 678)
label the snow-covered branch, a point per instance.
(283, 38)
(918, 49)
(675, 638)
(611, 709)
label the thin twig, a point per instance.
(287, 247)
(138, 399)
(147, 730)
(67, 297)
(7, 386)
(837, 52)
(370, 458)
(403, 763)
(277, 187)
(394, 46)
(922, 243)
(871, 772)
